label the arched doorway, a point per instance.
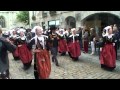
(100, 20)
(70, 22)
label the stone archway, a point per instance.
(100, 20)
(70, 22)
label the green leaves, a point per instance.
(23, 16)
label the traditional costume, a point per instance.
(67, 34)
(42, 64)
(108, 54)
(23, 52)
(74, 46)
(62, 44)
(13, 38)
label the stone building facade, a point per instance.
(8, 19)
(45, 18)
(75, 19)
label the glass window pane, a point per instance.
(57, 22)
(52, 23)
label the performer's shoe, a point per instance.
(63, 54)
(109, 69)
(75, 59)
(102, 66)
(57, 64)
(84, 52)
(92, 54)
(59, 52)
(26, 68)
(53, 59)
(16, 58)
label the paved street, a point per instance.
(87, 67)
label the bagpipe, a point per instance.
(52, 37)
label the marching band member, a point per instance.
(108, 54)
(53, 39)
(42, 64)
(74, 46)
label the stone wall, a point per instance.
(62, 15)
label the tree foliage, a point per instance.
(23, 16)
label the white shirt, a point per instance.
(41, 39)
(74, 36)
(14, 36)
(110, 36)
(23, 37)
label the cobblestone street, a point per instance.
(60, 31)
(87, 67)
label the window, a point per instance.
(54, 22)
(43, 25)
(2, 21)
(57, 22)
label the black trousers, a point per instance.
(54, 51)
(36, 75)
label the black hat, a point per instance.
(53, 27)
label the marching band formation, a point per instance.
(37, 45)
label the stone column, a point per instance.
(96, 25)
